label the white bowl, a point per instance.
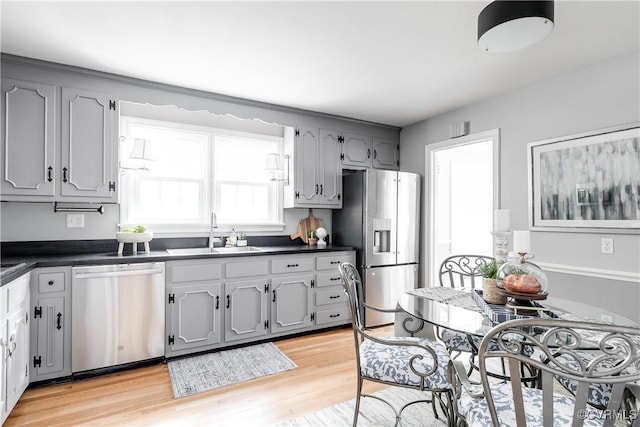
(134, 237)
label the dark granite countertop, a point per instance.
(13, 268)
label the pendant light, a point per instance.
(505, 26)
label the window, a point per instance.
(197, 170)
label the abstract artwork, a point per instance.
(586, 181)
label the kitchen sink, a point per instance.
(203, 251)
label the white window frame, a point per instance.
(209, 198)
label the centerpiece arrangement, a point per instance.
(489, 273)
(522, 282)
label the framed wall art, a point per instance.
(587, 182)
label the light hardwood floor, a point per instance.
(325, 376)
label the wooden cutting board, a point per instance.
(310, 223)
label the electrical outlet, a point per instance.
(75, 220)
(607, 245)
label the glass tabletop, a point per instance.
(447, 315)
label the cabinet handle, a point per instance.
(368, 153)
(375, 153)
(12, 341)
(292, 265)
(334, 297)
(64, 174)
(51, 282)
(334, 315)
(49, 174)
(217, 302)
(228, 301)
(334, 278)
(334, 262)
(274, 296)
(59, 321)
(316, 188)
(321, 189)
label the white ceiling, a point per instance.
(386, 62)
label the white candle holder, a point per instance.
(501, 246)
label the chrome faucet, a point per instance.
(213, 226)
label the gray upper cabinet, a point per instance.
(385, 153)
(28, 139)
(36, 166)
(316, 179)
(89, 142)
(356, 151)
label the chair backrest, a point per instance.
(461, 271)
(353, 287)
(586, 353)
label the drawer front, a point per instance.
(192, 272)
(332, 296)
(328, 279)
(291, 265)
(338, 314)
(247, 269)
(332, 262)
(51, 282)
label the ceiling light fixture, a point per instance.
(505, 26)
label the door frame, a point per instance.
(430, 150)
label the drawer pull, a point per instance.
(292, 265)
(334, 315)
(334, 262)
(334, 297)
(51, 282)
(334, 278)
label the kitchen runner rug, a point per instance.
(374, 412)
(196, 374)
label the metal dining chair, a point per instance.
(613, 358)
(417, 363)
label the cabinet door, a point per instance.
(329, 177)
(356, 151)
(48, 356)
(3, 366)
(28, 140)
(18, 355)
(291, 303)
(385, 153)
(245, 310)
(89, 145)
(306, 166)
(195, 319)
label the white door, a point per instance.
(462, 195)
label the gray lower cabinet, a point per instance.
(291, 302)
(50, 326)
(246, 308)
(331, 304)
(193, 306)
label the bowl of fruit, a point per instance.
(137, 234)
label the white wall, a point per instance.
(600, 96)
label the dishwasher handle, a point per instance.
(118, 273)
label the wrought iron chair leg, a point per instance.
(358, 396)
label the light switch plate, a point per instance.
(75, 220)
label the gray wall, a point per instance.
(600, 96)
(37, 221)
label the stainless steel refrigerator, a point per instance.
(380, 219)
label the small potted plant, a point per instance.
(312, 240)
(489, 274)
(241, 238)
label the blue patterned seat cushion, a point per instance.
(598, 394)
(476, 410)
(391, 362)
(458, 341)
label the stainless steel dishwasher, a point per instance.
(118, 314)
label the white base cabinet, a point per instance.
(14, 342)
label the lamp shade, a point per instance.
(141, 150)
(505, 26)
(274, 163)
